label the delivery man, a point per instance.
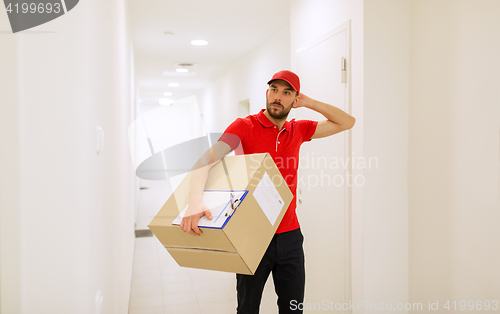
(269, 132)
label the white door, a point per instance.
(323, 190)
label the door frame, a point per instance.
(348, 155)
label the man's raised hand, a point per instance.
(302, 101)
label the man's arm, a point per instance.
(337, 120)
(198, 179)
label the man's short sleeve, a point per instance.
(307, 128)
(234, 134)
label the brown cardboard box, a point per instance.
(239, 245)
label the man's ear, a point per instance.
(267, 92)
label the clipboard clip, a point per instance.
(232, 203)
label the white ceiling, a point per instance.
(232, 28)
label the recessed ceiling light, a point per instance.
(173, 85)
(167, 93)
(181, 70)
(199, 42)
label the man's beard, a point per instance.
(277, 115)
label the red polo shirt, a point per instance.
(259, 135)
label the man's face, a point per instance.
(280, 99)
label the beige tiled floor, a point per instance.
(160, 286)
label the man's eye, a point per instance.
(287, 93)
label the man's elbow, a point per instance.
(350, 124)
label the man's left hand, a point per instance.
(302, 101)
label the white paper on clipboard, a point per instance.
(268, 198)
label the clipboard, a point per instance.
(222, 205)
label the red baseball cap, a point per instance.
(288, 76)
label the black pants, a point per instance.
(285, 259)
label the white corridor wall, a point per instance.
(454, 123)
(66, 213)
